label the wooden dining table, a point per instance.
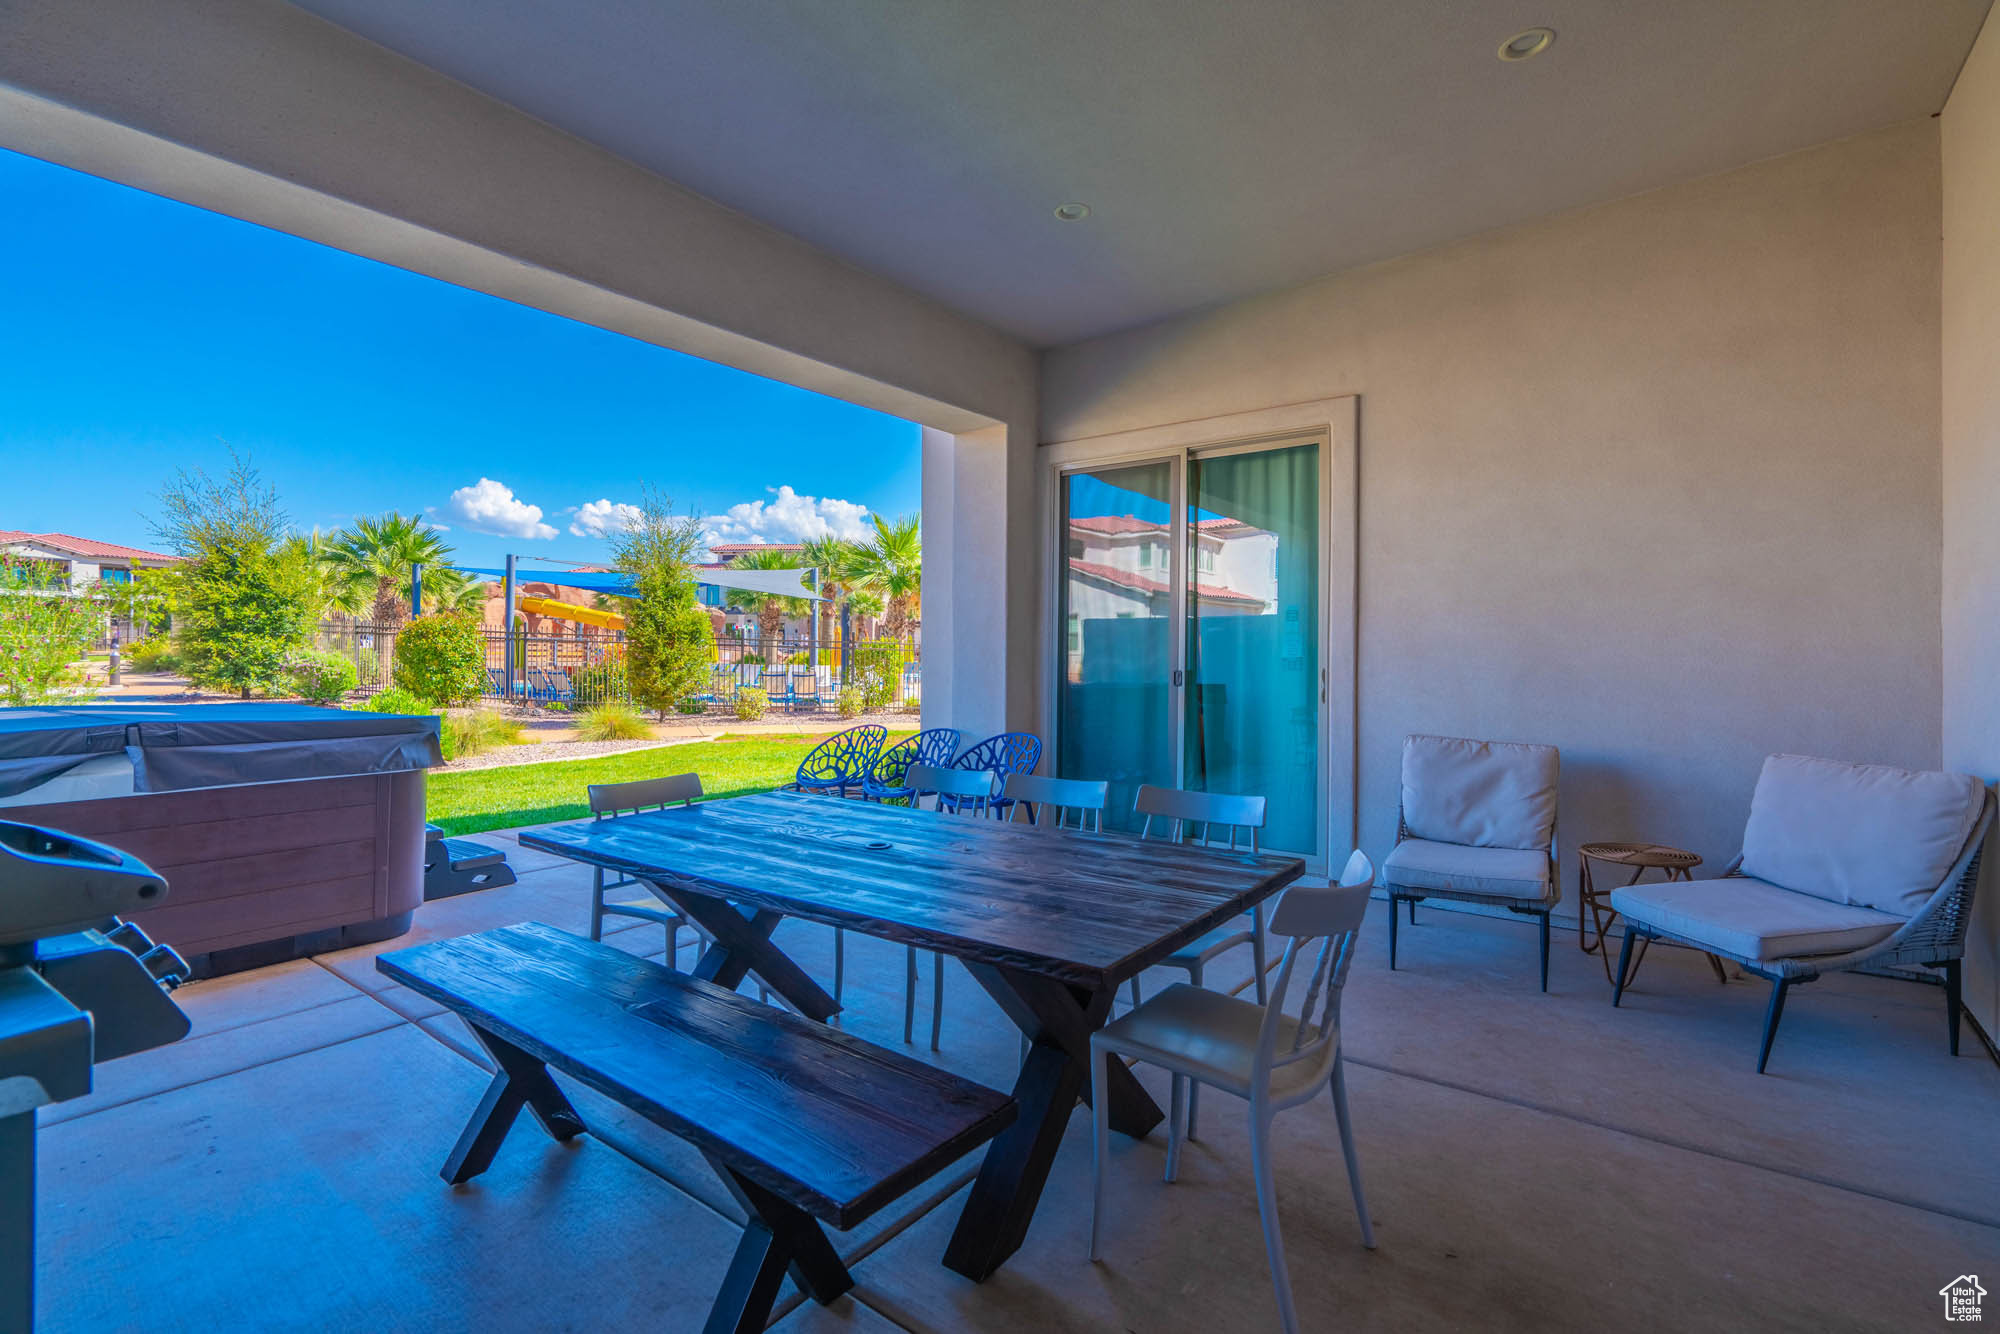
(1049, 923)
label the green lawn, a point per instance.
(470, 800)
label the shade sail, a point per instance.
(570, 611)
(784, 583)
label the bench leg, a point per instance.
(522, 1081)
(779, 1238)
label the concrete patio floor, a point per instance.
(1532, 1162)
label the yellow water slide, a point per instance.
(570, 611)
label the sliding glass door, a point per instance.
(1190, 630)
(1117, 649)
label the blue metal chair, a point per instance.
(1007, 753)
(886, 778)
(841, 761)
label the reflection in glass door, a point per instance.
(1252, 702)
(1114, 706)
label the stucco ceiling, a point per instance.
(1224, 148)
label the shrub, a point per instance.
(612, 721)
(442, 658)
(319, 677)
(848, 701)
(600, 681)
(395, 700)
(751, 703)
(44, 633)
(153, 655)
(475, 730)
(875, 669)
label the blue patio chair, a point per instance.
(840, 762)
(805, 688)
(776, 683)
(496, 681)
(1006, 753)
(886, 778)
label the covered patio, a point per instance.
(1335, 373)
(1534, 1162)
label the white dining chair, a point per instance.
(954, 792)
(1056, 804)
(1239, 818)
(1256, 1052)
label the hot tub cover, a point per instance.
(174, 747)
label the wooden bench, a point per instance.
(461, 865)
(801, 1121)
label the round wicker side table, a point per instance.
(1677, 863)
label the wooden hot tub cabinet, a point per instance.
(301, 866)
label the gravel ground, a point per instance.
(541, 752)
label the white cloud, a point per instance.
(604, 518)
(788, 517)
(489, 507)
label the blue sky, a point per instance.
(142, 335)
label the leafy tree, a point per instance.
(370, 562)
(890, 564)
(442, 658)
(45, 630)
(241, 606)
(144, 601)
(771, 609)
(669, 641)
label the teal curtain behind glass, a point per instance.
(1252, 707)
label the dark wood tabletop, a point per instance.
(1088, 909)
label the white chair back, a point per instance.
(955, 789)
(1058, 803)
(1181, 810)
(1331, 915)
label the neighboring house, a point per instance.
(1122, 566)
(86, 560)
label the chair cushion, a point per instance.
(1485, 794)
(1870, 835)
(1516, 873)
(1753, 919)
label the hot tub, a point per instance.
(282, 829)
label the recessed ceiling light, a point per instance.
(1522, 45)
(1072, 212)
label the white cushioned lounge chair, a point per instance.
(1844, 866)
(1478, 824)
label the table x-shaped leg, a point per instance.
(740, 944)
(522, 1081)
(1058, 1020)
(779, 1238)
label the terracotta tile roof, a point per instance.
(1145, 583)
(726, 551)
(1120, 524)
(88, 548)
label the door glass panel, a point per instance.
(1253, 636)
(1114, 710)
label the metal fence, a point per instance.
(565, 672)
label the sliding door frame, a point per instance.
(1333, 424)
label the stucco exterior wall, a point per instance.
(1971, 156)
(1656, 481)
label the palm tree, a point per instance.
(771, 608)
(890, 564)
(834, 558)
(371, 559)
